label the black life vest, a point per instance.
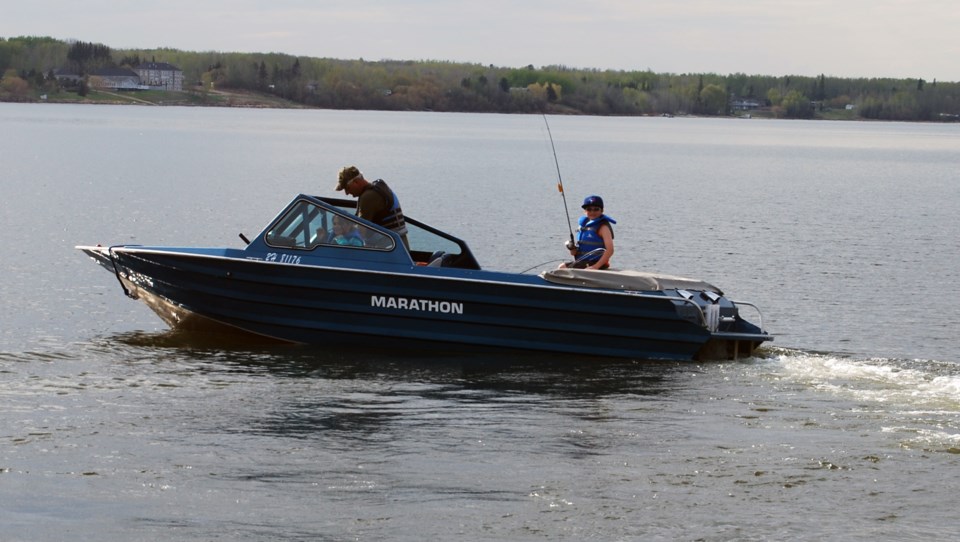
(392, 217)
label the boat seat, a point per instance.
(625, 279)
(440, 259)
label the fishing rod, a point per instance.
(559, 181)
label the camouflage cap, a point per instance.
(346, 175)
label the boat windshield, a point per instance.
(423, 242)
(307, 225)
(428, 245)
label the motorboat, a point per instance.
(320, 275)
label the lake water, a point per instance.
(846, 427)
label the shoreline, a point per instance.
(252, 100)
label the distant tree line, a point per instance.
(28, 64)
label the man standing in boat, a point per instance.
(376, 202)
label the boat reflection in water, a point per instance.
(301, 280)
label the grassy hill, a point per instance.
(218, 98)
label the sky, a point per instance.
(847, 38)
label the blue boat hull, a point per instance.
(344, 307)
(294, 282)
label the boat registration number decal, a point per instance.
(413, 304)
(283, 258)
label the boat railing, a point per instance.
(703, 317)
(756, 308)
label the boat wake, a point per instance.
(918, 399)
(920, 383)
(223, 338)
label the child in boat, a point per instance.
(594, 246)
